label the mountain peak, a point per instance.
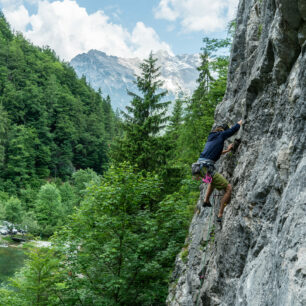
(114, 75)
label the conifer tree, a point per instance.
(4, 125)
(144, 120)
(175, 121)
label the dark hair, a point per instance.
(220, 128)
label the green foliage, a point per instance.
(175, 123)
(4, 123)
(38, 283)
(108, 235)
(27, 196)
(5, 29)
(51, 124)
(123, 236)
(20, 165)
(13, 211)
(81, 179)
(69, 198)
(231, 28)
(48, 209)
(30, 223)
(118, 248)
(184, 255)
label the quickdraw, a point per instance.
(207, 179)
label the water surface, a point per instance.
(11, 259)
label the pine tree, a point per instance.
(176, 121)
(4, 126)
(144, 120)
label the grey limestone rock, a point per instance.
(258, 257)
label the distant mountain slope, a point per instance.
(114, 74)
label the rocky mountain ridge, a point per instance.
(258, 256)
(114, 75)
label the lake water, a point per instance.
(11, 259)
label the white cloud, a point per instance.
(70, 30)
(166, 10)
(198, 15)
(21, 17)
(146, 39)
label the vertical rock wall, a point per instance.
(258, 257)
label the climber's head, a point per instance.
(220, 128)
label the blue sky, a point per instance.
(125, 28)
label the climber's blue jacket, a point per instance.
(215, 142)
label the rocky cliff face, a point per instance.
(258, 257)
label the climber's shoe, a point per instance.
(206, 204)
(219, 219)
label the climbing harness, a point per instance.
(208, 164)
(196, 169)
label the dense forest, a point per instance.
(112, 193)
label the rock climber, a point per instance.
(212, 151)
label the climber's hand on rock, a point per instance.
(240, 122)
(228, 149)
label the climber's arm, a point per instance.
(229, 148)
(230, 132)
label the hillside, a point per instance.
(52, 123)
(258, 255)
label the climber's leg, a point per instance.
(221, 183)
(225, 200)
(209, 191)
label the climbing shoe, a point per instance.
(206, 204)
(219, 219)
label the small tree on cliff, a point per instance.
(144, 118)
